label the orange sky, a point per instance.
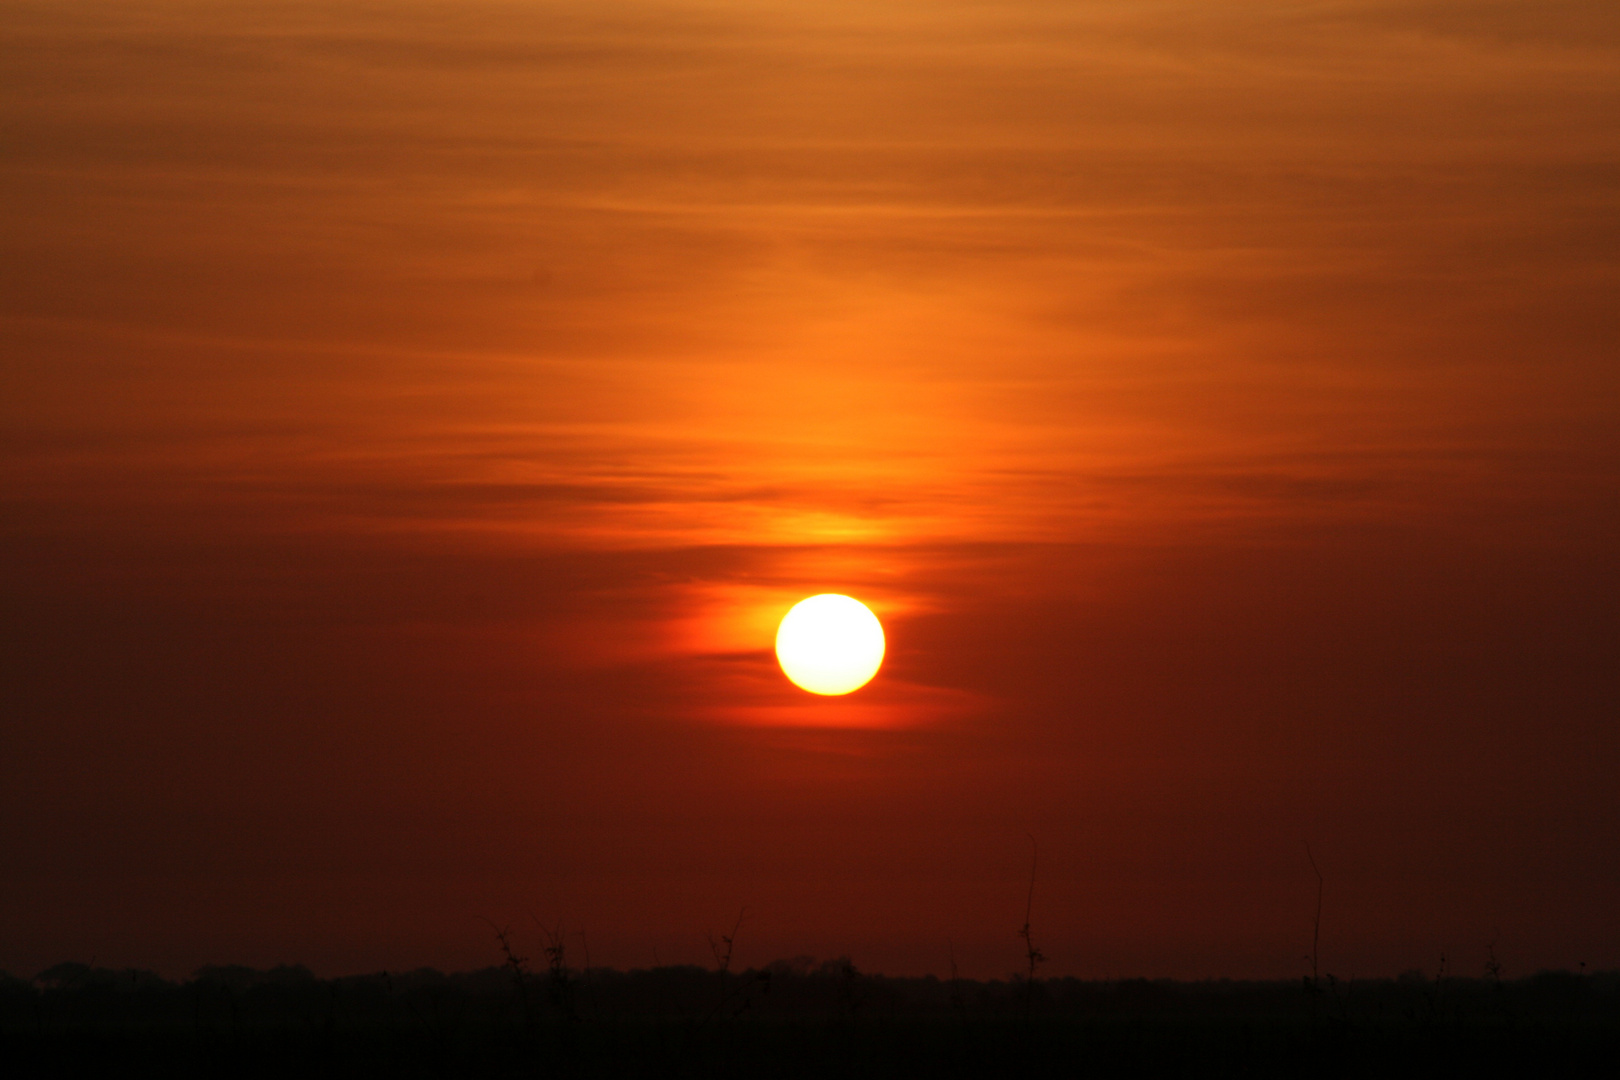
(416, 417)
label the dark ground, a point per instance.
(795, 1019)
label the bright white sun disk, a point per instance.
(830, 644)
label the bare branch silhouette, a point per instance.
(1031, 954)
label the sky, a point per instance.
(415, 418)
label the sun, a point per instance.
(830, 644)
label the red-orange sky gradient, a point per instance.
(416, 417)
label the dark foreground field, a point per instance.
(794, 1019)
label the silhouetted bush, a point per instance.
(795, 1018)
